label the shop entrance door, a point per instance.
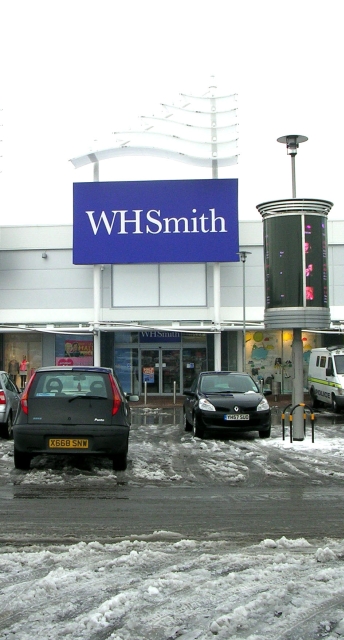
(160, 369)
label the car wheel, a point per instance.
(334, 404)
(186, 423)
(265, 434)
(6, 430)
(21, 460)
(197, 431)
(119, 462)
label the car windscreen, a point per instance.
(228, 384)
(70, 383)
(339, 360)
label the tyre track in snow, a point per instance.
(195, 597)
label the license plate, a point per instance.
(68, 443)
(237, 416)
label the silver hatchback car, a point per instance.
(9, 401)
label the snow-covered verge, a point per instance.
(164, 588)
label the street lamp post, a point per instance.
(292, 143)
(243, 257)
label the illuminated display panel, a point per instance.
(315, 244)
(296, 261)
(283, 262)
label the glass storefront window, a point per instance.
(126, 337)
(18, 346)
(194, 361)
(126, 368)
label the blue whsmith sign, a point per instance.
(155, 221)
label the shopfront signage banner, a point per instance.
(159, 336)
(155, 221)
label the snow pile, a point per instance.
(164, 590)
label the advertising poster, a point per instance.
(73, 350)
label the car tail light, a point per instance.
(116, 397)
(25, 395)
(2, 397)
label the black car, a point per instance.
(74, 410)
(226, 400)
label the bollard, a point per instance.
(283, 418)
(300, 404)
(145, 387)
(174, 391)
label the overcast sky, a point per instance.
(74, 71)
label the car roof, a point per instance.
(76, 368)
(224, 373)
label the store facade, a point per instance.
(165, 334)
(163, 362)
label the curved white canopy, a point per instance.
(200, 130)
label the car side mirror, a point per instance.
(267, 392)
(132, 398)
(188, 392)
(329, 371)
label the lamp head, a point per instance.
(292, 141)
(243, 255)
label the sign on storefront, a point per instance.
(159, 336)
(156, 221)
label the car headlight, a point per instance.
(205, 405)
(263, 405)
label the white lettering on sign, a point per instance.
(123, 222)
(160, 334)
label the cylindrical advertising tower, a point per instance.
(296, 264)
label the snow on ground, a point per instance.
(160, 451)
(161, 588)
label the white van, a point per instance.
(326, 377)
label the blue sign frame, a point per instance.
(155, 221)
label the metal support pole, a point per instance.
(216, 268)
(297, 392)
(217, 316)
(243, 315)
(243, 257)
(292, 142)
(96, 293)
(293, 176)
(96, 313)
(96, 172)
